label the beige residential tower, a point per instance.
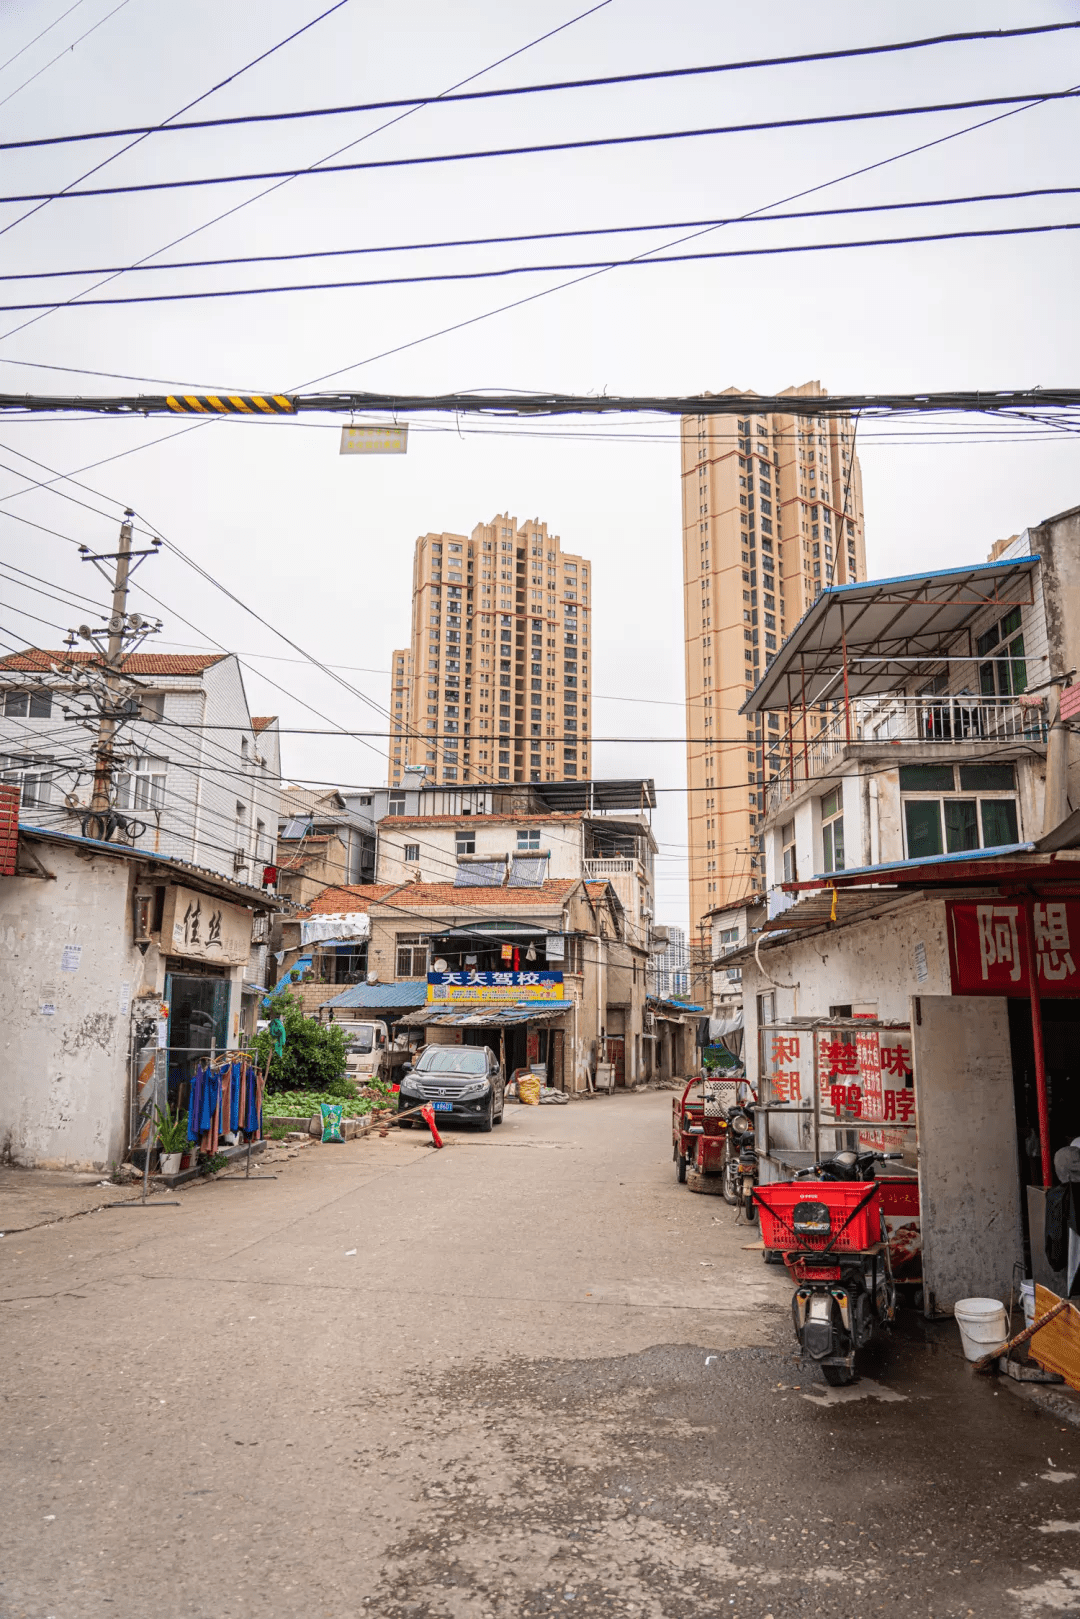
(772, 514)
(494, 685)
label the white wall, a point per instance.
(438, 846)
(870, 963)
(63, 1094)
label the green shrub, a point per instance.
(314, 1055)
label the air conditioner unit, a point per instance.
(240, 859)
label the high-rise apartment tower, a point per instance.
(495, 683)
(772, 515)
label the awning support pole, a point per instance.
(805, 725)
(847, 696)
(1037, 1038)
(790, 742)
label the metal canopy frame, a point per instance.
(861, 638)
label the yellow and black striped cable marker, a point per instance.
(231, 404)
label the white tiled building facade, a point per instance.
(204, 778)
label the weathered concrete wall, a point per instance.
(969, 1181)
(64, 1085)
(873, 963)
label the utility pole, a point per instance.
(114, 659)
(114, 701)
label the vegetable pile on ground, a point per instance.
(302, 1104)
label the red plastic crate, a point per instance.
(777, 1200)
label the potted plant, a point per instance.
(172, 1140)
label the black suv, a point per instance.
(460, 1082)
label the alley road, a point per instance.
(527, 1375)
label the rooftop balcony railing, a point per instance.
(610, 867)
(945, 718)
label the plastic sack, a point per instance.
(529, 1089)
(331, 1120)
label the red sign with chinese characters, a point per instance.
(988, 952)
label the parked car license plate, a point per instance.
(443, 1107)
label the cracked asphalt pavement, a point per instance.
(548, 1380)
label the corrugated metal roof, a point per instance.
(375, 997)
(874, 622)
(488, 1016)
(257, 898)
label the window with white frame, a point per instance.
(832, 831)
(787, 851)
(34, 705)
(412, 955)
(528, 838)
(951, 808)
(412, 852)
(1005, 673)
(465, 843)
(31, 773)
(143, 786)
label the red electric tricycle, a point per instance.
(699, 1126)
(829, 1223)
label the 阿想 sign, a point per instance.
(988, 950)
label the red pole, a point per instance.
(791, 741)
(847, 699)
(1037, 1037)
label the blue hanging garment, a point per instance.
(251, 1102)
(195, 1103)
(234, 1100)
(211, 1096)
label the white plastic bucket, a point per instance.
(983, 1325)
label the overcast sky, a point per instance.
(321, 546)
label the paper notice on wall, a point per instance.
(922, 971)
(72, 956)
(48, 1002)
(163, 1034)
(125, 1000)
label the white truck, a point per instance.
(371, 1054)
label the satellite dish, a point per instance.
(439, 964)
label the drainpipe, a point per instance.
(875, 823)
(1055, 800)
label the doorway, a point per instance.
(198, 1022)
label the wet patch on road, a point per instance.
(681, 1483)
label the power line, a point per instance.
(46, 30)
(209, 406)
(60, 54)
(544, 269)
(536, 148)
(489, 314)
(237, 207)
(541, 89)
(780, 202)
(537, 236)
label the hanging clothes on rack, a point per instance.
(211, 1106)
(234, 1096)
(195, 1103)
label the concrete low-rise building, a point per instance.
(201, 775)
(550, 967)
(123, 969)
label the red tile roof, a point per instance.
(349, 897)
(35, 661)
(259, 722)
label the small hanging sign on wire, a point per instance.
(389, 440)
